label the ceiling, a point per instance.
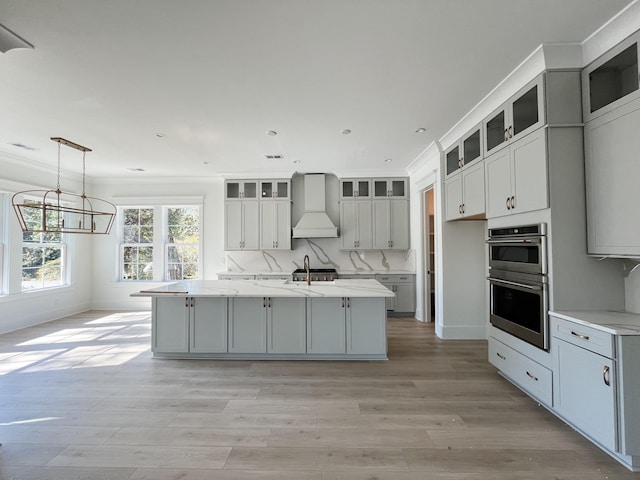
(190, 87)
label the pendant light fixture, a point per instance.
(55, 211)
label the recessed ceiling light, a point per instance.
(136, 169)
(296, 161)
(160, 135)
(346, 131)
(421, 130)
(388, 160)
(272, 133)
(205, 163)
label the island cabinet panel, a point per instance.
(208, 325)
(326, 326)
(366, 325)
(170, 324)
(286, 325)
(248, 325)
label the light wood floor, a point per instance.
(81, 398)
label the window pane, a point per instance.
(146, 235)
(145, 254)
(131, 234)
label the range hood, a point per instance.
(315, 223)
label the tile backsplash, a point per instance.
(323, 253)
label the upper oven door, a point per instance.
(518, 255)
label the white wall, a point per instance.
(18, 309)
(110, 293)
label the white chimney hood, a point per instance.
(315, 223)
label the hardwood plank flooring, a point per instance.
(81, 397)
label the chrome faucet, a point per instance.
(305, 265)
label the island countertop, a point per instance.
(269, 288)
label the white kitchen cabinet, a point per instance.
(390, 224)
(611, 80)
(286, 325)
(188, 324)
(356, 224)
(516, 179)
(520, 115)
(242, 225)
(275, 221)
(464, 152)
(279, 189)
(241, 189)
(248, 325)
(366, 325)
(404, 286)
(351, 188)
(612, 171)
(465, 193)
(236, 276)
(390, 188)
(326, 326)
(208, 325)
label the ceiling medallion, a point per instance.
(56, 211)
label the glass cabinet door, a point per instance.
(525, 111)
(471, 148)
(250, 190)
(614, 79)
(398, 188)
(363, 189)
(233, 190)
(282, 190)
(380, 188)
(453, 160)
(495, 131)
(266, 189)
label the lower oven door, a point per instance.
(518, 305)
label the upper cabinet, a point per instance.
(389, 187)
(241, 189)
(521, 115)
(352, 188)
(464, 152)
(612, 80)
(275, 189)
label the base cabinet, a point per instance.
(326, 331)
(286, 325)
(404, 286)
(208, 325)
(248, 325)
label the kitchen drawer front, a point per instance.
(396, 278)
(528, 374)
(225, 276)
(356, 276)
(582, 336)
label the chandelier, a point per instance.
(55, 211)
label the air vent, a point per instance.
(274, 157)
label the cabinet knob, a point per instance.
(460, 209)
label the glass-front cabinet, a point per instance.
(351, 188)
(465, 151)
(390, 187)
(521, 115)
(612, 80)
(241, 189)
(275, 189)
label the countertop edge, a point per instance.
(613, 322)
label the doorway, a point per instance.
(429, 249)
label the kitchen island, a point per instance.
(269, 319)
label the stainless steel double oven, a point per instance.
(518, 282)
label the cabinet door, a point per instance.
(233, 225)
(248, 325)
(381, 224)
(171, 324)
(529, 173)
(453, 197)
(586, 392)
(348, 224)
(473, 190)
(326, 325)
(527, 110)
(366, 326)
(612, 172)
(405, 297)
(472, 146)
(286, 325)
(268, 225)
(208, 325)
(498, 183)
(364, 225)
(399, 232)
(495, 131)
(452, 159)
(251, 225)
(283, 225)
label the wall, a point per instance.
(18, 309)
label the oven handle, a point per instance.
(515, 284)
(535, 240)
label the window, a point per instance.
(43, 255)
(137, 244)
(165, 236)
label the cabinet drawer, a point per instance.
(396, 278)
(586, 337)
(224, 276)
(529, 375)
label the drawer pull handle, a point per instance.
(584, 337)
(532, 376)
(605, 376)
(501, 356)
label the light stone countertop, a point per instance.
(340, 272)
(269, 288)
(616, 323)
